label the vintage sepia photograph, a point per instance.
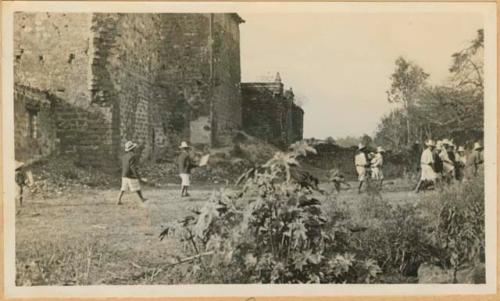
(294, 144)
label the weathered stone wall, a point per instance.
(258, 116)
(125, 70)
(297, 123)
(270, 113)
(35, 130)
(227, 77)
(185, 75)
(53, 55)
(156, 79)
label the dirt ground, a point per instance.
(82, 237)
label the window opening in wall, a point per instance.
(33, 124)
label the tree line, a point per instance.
(453, 110)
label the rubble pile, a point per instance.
(225, 165)
(55, 175)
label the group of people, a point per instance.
(440, 162)
(443, 162)
(131, 180)
(369, 165)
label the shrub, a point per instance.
(272, 231)
(459, 228)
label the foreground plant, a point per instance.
(273, 230)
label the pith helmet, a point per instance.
(430, 142)
(184, 145)
(130, 146)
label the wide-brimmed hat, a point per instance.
(461, 149)
(184, 145)
(446, 142)
(19, 164)
(361, 146)
(430, 142)
(477, 146)
(129, 145)
(380, 149)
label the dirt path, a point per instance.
(126, 235)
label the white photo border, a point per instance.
(487, 10)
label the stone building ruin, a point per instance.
(86, 83)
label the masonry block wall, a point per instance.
(125, 69)
(52, 55)
(153, 78)
(226, 77)
(35, 134)
(185, 74)
(297, 123)
(270, 113)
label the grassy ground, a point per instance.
(82, 237)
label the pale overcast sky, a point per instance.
(340, 63)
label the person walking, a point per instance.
(461, 162)
(475, 160)
(376, 164)
(130, 173)
(185, 165)
(427, 164)
(361, 164)
(438, 162)
(448, 162)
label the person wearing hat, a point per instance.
(438, 162)
(475, 160)
(448, 159)
(21, 181)
(130, 174)
(427, 166)
(461, 162)
(185, 165)
(337, 179)
(361, 164)
(376, 165)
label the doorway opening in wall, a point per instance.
(32, 124)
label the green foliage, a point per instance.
(272, 231)
(460, 228)
(407, 80)
(348, 141)
(454, 110)
(446, 228)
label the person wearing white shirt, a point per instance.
(361, 163)
(426, 163)
(376, 164)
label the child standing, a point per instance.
(130, 174)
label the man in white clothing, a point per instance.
(376, 163)
(427, 166)
(361, 164)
